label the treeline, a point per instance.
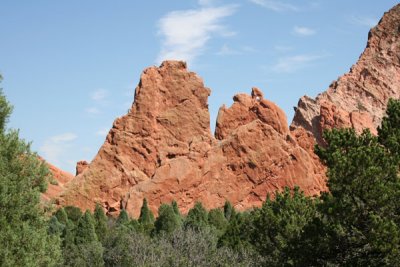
(356, 223)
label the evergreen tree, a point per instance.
(217, 219)
(62, 216)
(55, 227)
(146, 218)
(88, 250)
(389, 131)
(197, 217)
(23, 228)
(359, 222)
(100, 223)
(228, 210)
(278, 223)
(167, 221)
(85, 232)
(74, 214)
(176, 208)
(123, 218)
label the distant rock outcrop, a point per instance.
(163, 150)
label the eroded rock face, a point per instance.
(81, 166)
(358, 99)
(163, 150)
(57, 182)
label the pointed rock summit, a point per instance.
(162, 149)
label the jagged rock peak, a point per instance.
(358, 99)
(162, 150)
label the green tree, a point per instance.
(74, 214)
(389, 131)
(146, 218)
(217, 219)
(123, 218)
(100, 225)
(167, 220)
(197, 217)
(88, 250)
(359, 218)
(229, 210)
(278, 223)
(23, 226)
(62, 216)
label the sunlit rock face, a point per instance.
(163, 150)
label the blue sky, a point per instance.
(70, 67)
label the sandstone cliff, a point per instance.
(358, 99)
(163, 150)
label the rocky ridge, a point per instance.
(163, 150)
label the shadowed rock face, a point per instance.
(358, 99)
(162, 149)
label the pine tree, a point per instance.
(100, 223)
(361, 211)
(146, 218)
(23, 228)
(89, 249)
(197, 217)
(123, 218)
(228, 210)
(217, 219)
(62, 216)
(167, 220)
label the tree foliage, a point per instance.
(24, 234)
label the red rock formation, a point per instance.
(358, 99)
(163, 150)
(57, 181)
(81, 166)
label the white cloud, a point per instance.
(186, 33)
(54, 148)
(99, 95)
(226, 50)
(92, 111)
(294, 63)
(275, 5)
(102, 132)
(303, 31)
(364, 21)
(65, 137)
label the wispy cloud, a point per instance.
(294, 63)
(186, 33)
(303, 31)
(55, 147)
(92, 111)
(226, 50)
(364, 21)
(99, 95)
(65, 137)
(276, 5)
